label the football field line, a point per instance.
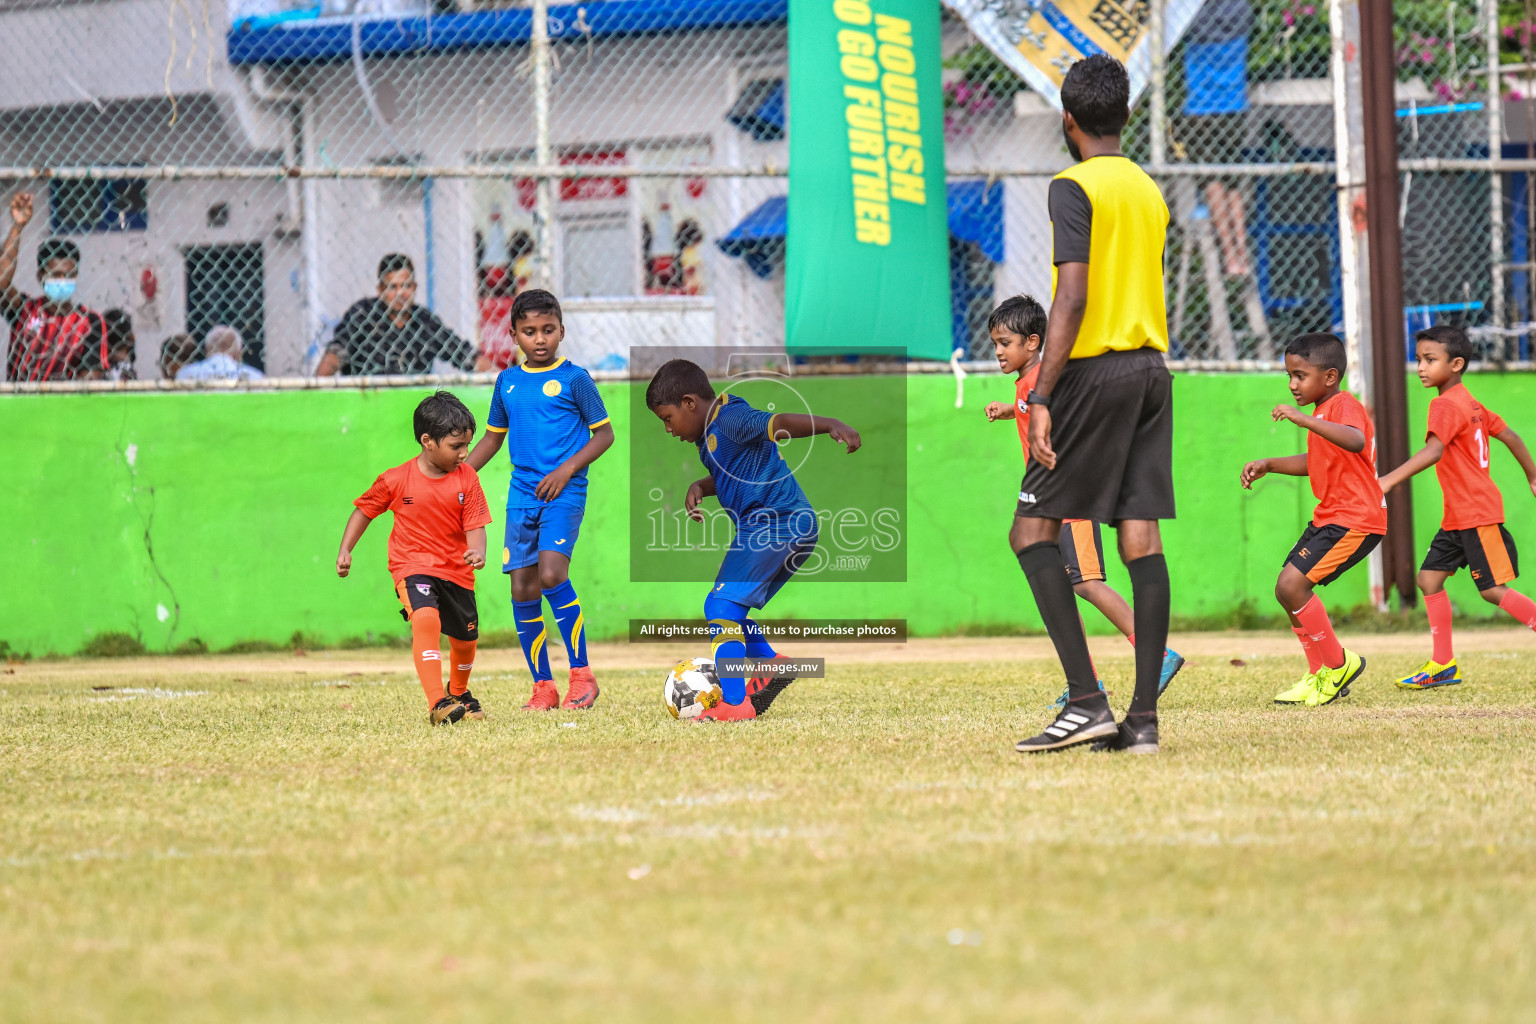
(614, 656)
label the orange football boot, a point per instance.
(545, 696)
(724, 712)
(756, 683)
(583, 692)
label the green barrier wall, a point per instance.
(217, 516)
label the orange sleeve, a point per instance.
(377, 499)
(1495, 422)
(1445, 420)
(477, 512)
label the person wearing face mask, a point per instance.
(52, 338)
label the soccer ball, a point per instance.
(692, 688)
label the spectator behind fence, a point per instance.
(120, 345)
(51, 337)
(175, 352)
(224, 348)
(390, 334)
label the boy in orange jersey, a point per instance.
(1350, 518)
(1017, 327)
(437, 543)
(1472, 533)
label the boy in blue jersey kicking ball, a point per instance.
(775, 524)
(558, 425)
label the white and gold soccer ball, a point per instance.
(692, 688)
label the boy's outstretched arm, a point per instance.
(800, 425)
(1290, 465)
(555, 480)
(356, 524)
(697, 492)
(1421, 460)
(1351, 439)
(486, 448)
(1000, 411)
(1521, 453)
(474, 550)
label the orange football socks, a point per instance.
(1438, 607)
(426, 628)
(1314, 663)
(1314, 619)
(1521, 607)
(463, 654)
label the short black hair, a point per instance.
(57, 249)
(1020, 314)
(393, 262)
(675, 379)
(179, 347)
(1457, 344)
(441, 414)
(119, 327)
(1324, 351)
(535, 300)
(1097, 93)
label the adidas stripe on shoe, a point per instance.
(1075, 725)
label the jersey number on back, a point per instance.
(1482, 447)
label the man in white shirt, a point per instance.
(224, 347)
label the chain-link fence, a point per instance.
(362, 188)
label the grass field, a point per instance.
(284, 839)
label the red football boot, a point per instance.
(583, 692)
(757, 683)
(724, 712)
(545, 696)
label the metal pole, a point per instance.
(1155, 37)
(1354, 246)
(1495, 151)
(544, 194)
(1379, 78)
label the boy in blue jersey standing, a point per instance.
(775, 524)
(551, 409)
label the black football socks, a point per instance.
(1047, 574)
(1150, 604)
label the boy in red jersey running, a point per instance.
(437, 543)
(1018, 327)
(1350, 518)
(1472, 533)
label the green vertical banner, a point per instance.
(867, 265)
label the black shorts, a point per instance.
(1325, 553)
(1112, 431)
(454, 604)
(1082, 548)
(1488, 550)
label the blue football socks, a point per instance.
(531, 633)
(567, 608)
(727, 640)
(757, 644)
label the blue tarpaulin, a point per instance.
(759, 238)
(260, 41)
(975, 215)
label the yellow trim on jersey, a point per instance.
(770, 427)
(540, 369)
(594, 426)
(499, 430)
(716, 411)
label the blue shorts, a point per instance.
(755, 570)
(549, 527)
